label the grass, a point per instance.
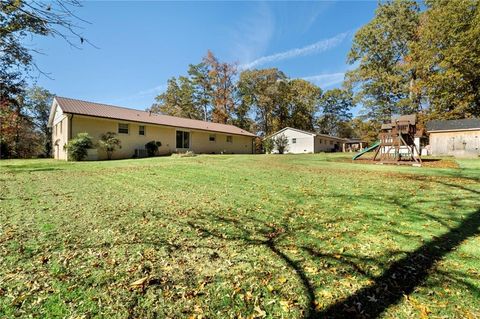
(238, 236)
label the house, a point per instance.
(454, 137)
(135, 128)
(307, 142)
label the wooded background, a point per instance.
(411, 57)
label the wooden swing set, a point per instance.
(397, 142)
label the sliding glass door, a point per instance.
(183, 139)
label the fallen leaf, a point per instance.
(139, 282)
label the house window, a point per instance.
(56, 129)
(211, 137)
(320, 141)
(183, 139)
(141, 130)
(294, 140)
(331, 142)
(122, 128)
(229, 139)
(61, 127)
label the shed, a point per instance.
(455, 137)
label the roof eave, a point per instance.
(454, 130)
(150, 123)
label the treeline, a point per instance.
(24, 110)
(411, 57)
(261, 101)
(24, 130)
(407, 60)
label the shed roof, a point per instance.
(453, 125)
(73, 106)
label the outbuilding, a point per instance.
(455, 137)
(300, 141)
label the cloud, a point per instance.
(326, 80)
(251, 35)
(315, 10)
(158, 89)
(317, 47)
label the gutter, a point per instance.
(455, 130)
(70, 126)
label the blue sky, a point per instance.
(142, 44)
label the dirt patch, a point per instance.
(433, 163)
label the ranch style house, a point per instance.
(135, 128)
(300, 141)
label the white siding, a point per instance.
(298, 142)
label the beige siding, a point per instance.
(199, 141)
(462, 143)
(326, 144)
(59, 134)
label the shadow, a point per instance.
(400, 278)
(28, 169)
(403, 276)
(272, 234)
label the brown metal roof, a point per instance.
(79, 107)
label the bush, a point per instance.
(77, 148)
(152, 147)
(281, 143)
(268, 145)
(109, 143)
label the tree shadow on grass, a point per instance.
(403, 276)
(29, 169)
(266, 235)
(400, 278)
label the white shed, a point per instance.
(300, 141)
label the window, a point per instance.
(141, 130)
(56, 129)
(211, 137)
(320, 141)
(294, 140)
(61, 127)
(183, 139)
(229, 139)
(122, 128)
(331, 142)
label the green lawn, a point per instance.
(238, 236)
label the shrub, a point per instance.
(109, 143)
(268, 145)
(77, 148)
(281, 143)
(152, 147)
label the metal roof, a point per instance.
(73, 106)
(453, 125)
